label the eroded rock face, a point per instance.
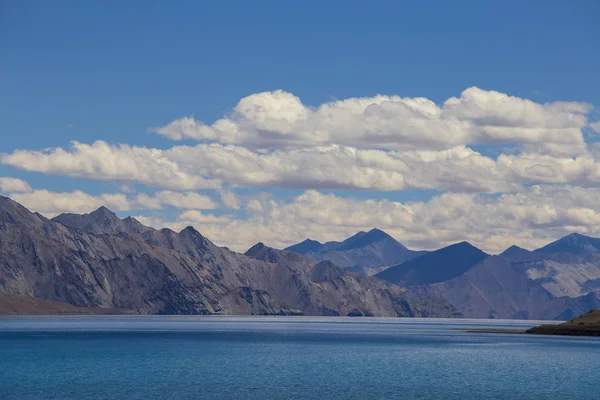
(99, 260)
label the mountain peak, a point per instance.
(101, 221)
(105, 213)
(514, 247)
(464, 245)
(374, 248)
(307, 246)
(574, 243)
(191, 238)
(11, 211)
(519, 254)
(265, 253)
(257, 247)
(362, 239)
(436, 266)
(190, 230)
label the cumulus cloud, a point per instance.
(384, 143)
(189, 200)
(13, 185)
(52, 203)
(280, 120)
(185, 219)
(535, 168)
(229, 199)
(337, 167)
(329, 167)
(458, 169)
(544, 187)
(109, 163)
(529, 218)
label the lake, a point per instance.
(169, 357)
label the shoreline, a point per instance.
(508, 331)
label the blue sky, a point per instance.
(110, 71)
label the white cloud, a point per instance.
(329, 167)
(189, 200)
(13, 185)
(529, 218)
(336, 167)
(380, 143)
(192, 217)
(185, 219)
(459, 169)
(229, 199)
(109, 163)
(535, 168)
(53, 203)
(280, 120)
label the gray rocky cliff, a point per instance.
(99, 260)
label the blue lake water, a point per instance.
(288, 358)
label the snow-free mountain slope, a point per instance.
(99, 260)
(365, 252)
(516, 284)
(519, 254)
(574, 243)
(436, 266)
(307, 246)
(356, 294)
(101, 221)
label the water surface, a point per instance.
(130, 357)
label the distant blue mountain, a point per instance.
(366, 252)
(557, 281)
(308, 246)
(362, 239)
(574, 243)
(436, 266)
(519, 254)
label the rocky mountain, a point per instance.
(436, 266)
(519, 254)
(101, 221)
(574, 243)
(366, 252)
(356, 294)
(306, 247)
(99, 260)
(516, 284)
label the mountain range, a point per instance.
(558, 281)
(99, 260)
(518, 283)
(366, 252)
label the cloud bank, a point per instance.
(504, 170)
